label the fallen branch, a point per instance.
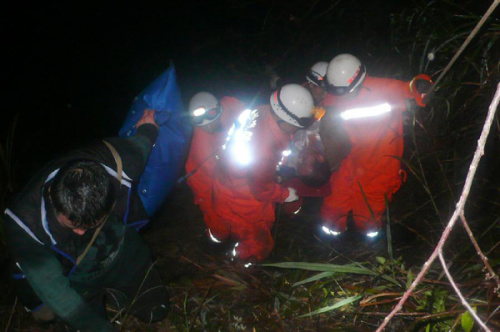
(459, 208)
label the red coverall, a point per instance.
(371, 170)
(204, 146)
(244, 197)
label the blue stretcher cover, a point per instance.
(167, 157)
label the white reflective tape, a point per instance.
(365, 112)
(212, 237)
(329, 231)
(372, 234)
(234, 250)
(22, 225)
(45, 223)
(51, 175)
(115, 175)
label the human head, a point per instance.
(345, 73)
(82, 191)
(312, 168)
(316, 80)
(316, 74)
(293, 104)
(204, 109)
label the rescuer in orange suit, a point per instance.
(306, 169)
(245, 190)
(362, 132)
(212, 120)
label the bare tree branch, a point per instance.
(492, 273)
(458, 211)
(464, 45)
(459, 293)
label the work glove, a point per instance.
(420, 85)
(292, 195)
(423, 86)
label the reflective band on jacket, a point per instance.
(212, 237)
(365, 112)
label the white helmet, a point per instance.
(345, 73)
(293, 104)
(316, 75)
(204, 108)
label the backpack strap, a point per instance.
(119, 171)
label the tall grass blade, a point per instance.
(349, 268)
(337, 305)
(317, 277)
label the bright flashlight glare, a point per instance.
(244, 116)
(240, 149)
(372, 234)
(199, 111)
(242, 154)
(329, 231)
(247, 265)
(286, 153)
(357, 113)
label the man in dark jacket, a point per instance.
(71, 238)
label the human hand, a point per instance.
(147, 117)
(420, 86)
(292, 195)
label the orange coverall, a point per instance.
(204, 146)
(244, 197)
(371, 170)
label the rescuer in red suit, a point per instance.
(212, 120)
(364, 124)
(245, 190)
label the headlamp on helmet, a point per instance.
(204, 108)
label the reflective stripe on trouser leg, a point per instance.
(254, 243)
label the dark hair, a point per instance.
(83, 192)
(312, 168)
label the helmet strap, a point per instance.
(303, 122)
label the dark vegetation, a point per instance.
(234, 48)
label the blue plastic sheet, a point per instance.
(167, 157)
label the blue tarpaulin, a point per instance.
(167, 157)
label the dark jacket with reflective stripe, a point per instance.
(46, 257)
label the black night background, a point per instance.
(71, 72)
